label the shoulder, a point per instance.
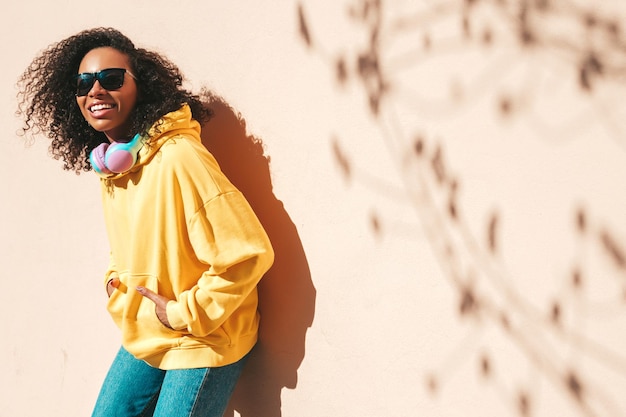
(186, 151)
(185, 158)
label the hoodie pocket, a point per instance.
(125, 301)
(143, 334)
(137, 306)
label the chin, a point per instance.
(102, 127)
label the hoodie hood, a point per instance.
(172, 124)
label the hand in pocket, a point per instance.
(112, 285)
(160, 303)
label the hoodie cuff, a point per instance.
(174, 317)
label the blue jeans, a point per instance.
(133, 388)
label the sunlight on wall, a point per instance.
(443, 182)
(504, 122)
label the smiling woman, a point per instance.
(106, 92)
(52, 85)
(186, 304)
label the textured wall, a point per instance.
(444, 190)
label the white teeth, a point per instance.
(100, 107)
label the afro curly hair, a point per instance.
(47, 99)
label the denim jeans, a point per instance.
(133, 388)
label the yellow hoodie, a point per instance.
(178, 227)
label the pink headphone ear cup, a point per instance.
(122, 156)
(118, 159)
(96, 157)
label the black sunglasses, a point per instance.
(109, 79)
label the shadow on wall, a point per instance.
(286, 293)
(419, 58)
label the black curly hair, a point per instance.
(47, 101)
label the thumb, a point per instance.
(146, 292)
(151, 295)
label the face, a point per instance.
(108, 111)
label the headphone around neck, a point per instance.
(117, 157)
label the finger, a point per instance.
(147, 293)
(115, 282)
(157, 299)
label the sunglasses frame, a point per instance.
(99, 76)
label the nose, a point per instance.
(96, 89)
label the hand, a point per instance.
(160, 302)
(112, 285)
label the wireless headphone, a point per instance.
(115, 158)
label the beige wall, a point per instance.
(438, 257)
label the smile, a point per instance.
(98, 107)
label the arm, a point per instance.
(226, 236)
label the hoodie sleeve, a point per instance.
(227, 236)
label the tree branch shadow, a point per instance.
(286, 293)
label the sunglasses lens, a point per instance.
(84, 83)
(111, 79)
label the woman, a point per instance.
(187, 251)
